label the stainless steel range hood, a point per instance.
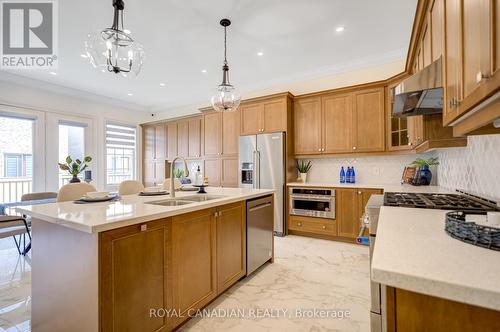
(421, 93)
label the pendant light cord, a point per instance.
(225, 45)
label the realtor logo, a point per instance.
(29, 34)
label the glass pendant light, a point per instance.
(113, 49)
(226, 97)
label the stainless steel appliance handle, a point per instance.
(260, 206)
(312, 198)
(257, 169)
(254, 179)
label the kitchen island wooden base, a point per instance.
(145, 277)
(408, 311)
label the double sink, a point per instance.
(185, 200)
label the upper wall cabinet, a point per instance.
(212, 134)
(334, 123)
(154, 154)
(171, 140)
(368, 121)
(264, 115)
(230, 133)
(471, 64)
(194, 137)
(307, 119)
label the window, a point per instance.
(18, 165)
(120, 153)
(71, 143)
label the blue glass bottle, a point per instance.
(353, 175)
(348, 176)
(342, 175)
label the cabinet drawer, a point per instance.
(313, 225)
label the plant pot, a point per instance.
(303, 176)
(425, 176)
(74, 179)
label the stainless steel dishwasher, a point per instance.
(260, 226)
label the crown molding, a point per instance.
(8, 77)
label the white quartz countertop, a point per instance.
(413, 252)
(385, 187)
(130, 209)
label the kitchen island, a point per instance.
(432, 278)
(136, 264)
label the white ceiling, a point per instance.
(183, 37)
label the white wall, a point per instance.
(13, 95)
(342, 78)
(369, 170)
(475, 168)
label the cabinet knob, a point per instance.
(319, 150)
(324, 227)
(144, 228)
(299, 224)
(359, 192)
(354, 148)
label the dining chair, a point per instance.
(177, 184)
(13, 226)
(129, 187)
(74, 191)
(38, 196)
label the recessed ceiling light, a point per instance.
(204, 71)
(162, 84)
(53, 73)
(340, 29)
(130, 94)
(260, 53)
(85, 56)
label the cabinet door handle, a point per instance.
(144, 227)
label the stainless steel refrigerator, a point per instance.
(262, 166)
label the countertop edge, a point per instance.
(437, 288)
(136, 220)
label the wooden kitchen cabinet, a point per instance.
(369, 123)
(413, 312)
(133, 259)
(148, 134)
(153, 167)
(229, 176)
(436, 24)
(337, 119)
(251, 118)
(230, 133)
(194, 137)
(347, 212)
(171, 140)
(183, 138)
(194, 267)
(231, 245)
(264, 116)
(350, 207)
(316, 226)
(213, 171)
(212, 134)
(307, 126)
(397, 128)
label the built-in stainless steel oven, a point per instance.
(312, 202)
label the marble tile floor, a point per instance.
(308, 274)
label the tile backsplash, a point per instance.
(372, 170)
(475, 168)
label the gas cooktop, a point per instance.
(438, 201)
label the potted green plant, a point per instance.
(75, 167)
(303, 167)
(178, 173)
(424, 173)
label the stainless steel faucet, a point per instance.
(172, 180)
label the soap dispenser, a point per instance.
(198, 177)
